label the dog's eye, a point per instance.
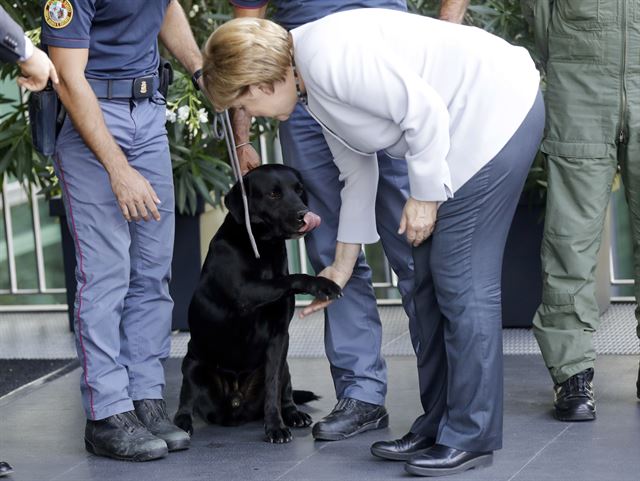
(275, 195)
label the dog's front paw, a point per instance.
(185, 422)
(277, 434)
(324, 289)
(296, 419)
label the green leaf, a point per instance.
(202, 190)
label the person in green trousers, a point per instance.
(591, 52)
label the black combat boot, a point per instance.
(153, 414)
(348, 418)
(574, 399)
(123, 436)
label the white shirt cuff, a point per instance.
(28, 50)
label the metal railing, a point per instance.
(14, 194)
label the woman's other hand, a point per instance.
(418, 220)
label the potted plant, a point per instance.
(200, 176)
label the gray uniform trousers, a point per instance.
(458, 299)
(122, 307)
(353, 332)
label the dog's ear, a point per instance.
(233, 203)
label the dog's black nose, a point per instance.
(301, 215)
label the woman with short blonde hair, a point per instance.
(243, 52)
(463, 109)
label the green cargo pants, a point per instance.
(591, 49)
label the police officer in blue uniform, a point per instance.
(353, 331)
(112, 160)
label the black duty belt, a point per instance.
(138, 88)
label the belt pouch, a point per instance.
(44, 107)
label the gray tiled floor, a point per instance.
(41, 434)
(41, 426)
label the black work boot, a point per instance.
(348, 418)
(153, 414)
(574, 398)
(5, 469)
(123, 436)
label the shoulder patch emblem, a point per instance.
(58, 13)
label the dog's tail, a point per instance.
(303, 397)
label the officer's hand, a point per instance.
(418, 220)
(135, 195)
(36, 71)
(248, 158)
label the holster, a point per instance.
(46, 115)
(165, 73)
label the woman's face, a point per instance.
(262, 100)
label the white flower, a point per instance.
(203, 118)
(204, 136)
(196, 8)
(183, 113)
(192, 14)
(171, 116)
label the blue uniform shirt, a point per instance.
(121, 35)
(291, 14)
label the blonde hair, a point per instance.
(244, 52)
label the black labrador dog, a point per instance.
(236, 369)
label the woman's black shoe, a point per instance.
(5, 469)
(402, 449)
(440, 460)
(574, 399)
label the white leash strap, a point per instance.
(235, 165)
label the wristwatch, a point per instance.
(195, 77)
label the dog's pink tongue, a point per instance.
(311, 221)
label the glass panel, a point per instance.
(51, 247)
(621, 243)
(4, 261)
(23, 243)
